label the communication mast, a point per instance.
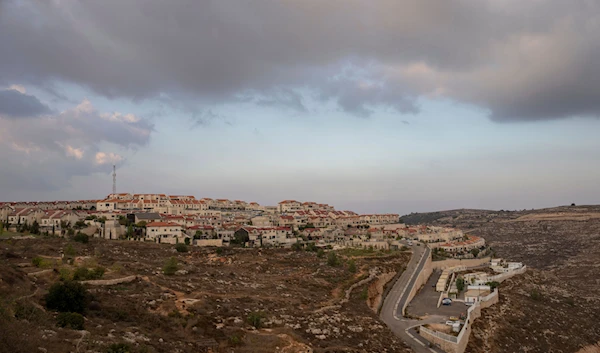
(114, 179)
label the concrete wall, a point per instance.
(419, 282)
(208, 242)
(504, 276)
(458, 344)
(460, 262)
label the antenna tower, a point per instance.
(114, 179)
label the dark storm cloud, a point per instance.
(15, 104)
(522, 60)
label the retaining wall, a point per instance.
(452, 344)
(504, 276)
(460, 262)
(419, 282)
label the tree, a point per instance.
(1, 228)
(198, 234)
(81, 238)
(170, 267)
(181, 247)
(332, 259)
(69, 296)
(352, 266)
(475, 252)
(35, 227)
(493, 285)
(141, 224)
(123, 220)
(129, 231)
(80, 224)
(70, 251)
(460, 284)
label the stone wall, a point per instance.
(419, 282)
(460, 262)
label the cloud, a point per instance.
(521, 60)
(14, 103)
(49, 150)
(108, 158)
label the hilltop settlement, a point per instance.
(170, 219)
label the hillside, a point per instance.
(554, 306)
(230, 300)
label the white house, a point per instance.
(164, 232)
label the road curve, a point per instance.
(391, 311)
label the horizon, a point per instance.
(380, 107)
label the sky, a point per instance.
(374, 106)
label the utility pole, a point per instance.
(114, 179)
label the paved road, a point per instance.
(391, 311)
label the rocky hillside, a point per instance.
(555, 306)
(227, 300)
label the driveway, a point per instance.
(425, 302)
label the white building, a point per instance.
(164, 232)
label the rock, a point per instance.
(181, 272)
(160, 340)
(42, 349)
(321, 337)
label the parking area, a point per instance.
(425, 302)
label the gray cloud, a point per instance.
(522, 60)
(44, 153)
(15, 104)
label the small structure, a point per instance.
(475, 293)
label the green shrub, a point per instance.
(84, 274)
(170, 267)
(68, 296)
(296, 246)
(460, 284)
(536, 295)
(320, 253)
(235, 340)
(80, 274)
(37, 261)
(70, 320)
(311, 247)
(97, 273)
(364, 295)
(181, 247)
(352, 266)
(81, 237)
(65, 274)
(255, 319)
(26, 311)
(70, 251)
(332, 259)
(118, 348)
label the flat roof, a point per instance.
(477, 292)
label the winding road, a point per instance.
(391, 311)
